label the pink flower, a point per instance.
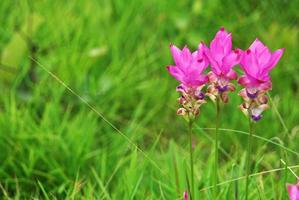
(293, 191)
(188, 70)
(257, 62)
(188, 66)
(221, 56)
(222, 59)
(185, 195)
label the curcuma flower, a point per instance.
(188, 70)
(256, 63)
(222, 59)
(293, 191)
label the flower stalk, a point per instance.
(249, 149)
(191, 158)
(216, 141)
(257, 62)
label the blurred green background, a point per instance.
(114, 54)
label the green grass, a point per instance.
(53, 146)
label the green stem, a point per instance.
(285, 157)
(191, 158)
(215, 181)
(249, 147)
(285, 173)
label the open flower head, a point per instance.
(188, 71)
(293, 191)
(188, 66)
(256, 63)
(222, 59)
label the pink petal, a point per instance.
(246, 81)
(214, 65)
(194, 78)
(257, 46)
(216, 50)
(265, 86)
(223, 35)
(201, 80)
(230, 60)
(201, 48)
(176, 54)
(175, 72)
(197, 66)
(231, 75)
(221, 45)
(274, 59)
(264, 57)
(199, 61)
(222, 42)
(227, 44)
(202, 56)
(195, 54)
(249, 63)
(249, 82)
(182, 58)
(186, 55)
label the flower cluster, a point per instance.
(222, 59)
(188, 70)
(256, 63)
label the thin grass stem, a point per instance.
(251, 175)
(93, 108)
(286, 165)
(255, 136)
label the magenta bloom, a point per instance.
(188, 70)
(222, 59)
(221, 56)
(188, 66)
(293, 191)
(257, 62)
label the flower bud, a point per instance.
(263, 99)
(182, 100)
(181, 111)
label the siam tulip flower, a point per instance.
(188, 70)
(222, 59)
(185, 195)
(293, 191)
(256, 63)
